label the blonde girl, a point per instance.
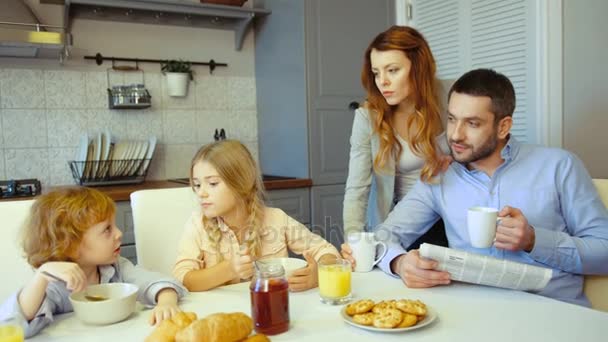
(71, 235)
(233, 226)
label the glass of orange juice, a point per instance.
(11, 331)
(334, 281)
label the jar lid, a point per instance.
(269, 270)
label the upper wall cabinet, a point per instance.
(165, 12)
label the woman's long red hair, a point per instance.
(424, 95)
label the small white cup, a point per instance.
(481, 223)
(364, 247)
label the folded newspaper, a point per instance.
(486, 270)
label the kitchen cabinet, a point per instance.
(165, 12)
(294, 202)
(308, 59)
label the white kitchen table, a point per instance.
(465, 313)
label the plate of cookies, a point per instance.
(392, 315)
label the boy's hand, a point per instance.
(69, 272)
(166, 306)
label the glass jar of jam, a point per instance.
(270, 300)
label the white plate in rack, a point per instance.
(149, 152)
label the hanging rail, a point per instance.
(99, 60)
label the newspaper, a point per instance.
(486, 270)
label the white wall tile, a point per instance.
(2, 172)
(24, 128)
(1, 132)
(56, 107)
(156, 170)
(27, 163)
(212, 93)
(60, 173)
(64, 89)
(186, 102)
(96, 93)
(243, 125)
(177, 159)
(209, 120)
(242, 93)
(153, 84)
(22, 88)
(114, 120)
(179, 126)
(142, 124)
(1, 82)
(65, 126)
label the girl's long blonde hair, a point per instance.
(426, 117)
(237, 168)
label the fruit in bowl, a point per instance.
(104, 303)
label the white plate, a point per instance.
(431, 315)
(149, 152)
(81, 155)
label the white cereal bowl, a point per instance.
(289, 264)
(119, 305)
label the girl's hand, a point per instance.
(242, 264)
(305, 278)
(69, 272)
(166, 306)
(347, 253)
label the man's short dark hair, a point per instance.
(487, 82)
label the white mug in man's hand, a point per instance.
(364, 246)
(481, 223)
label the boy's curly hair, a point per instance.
(58, 221)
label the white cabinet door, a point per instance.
(498, 34)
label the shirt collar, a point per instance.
(106, 272)
(510, 150)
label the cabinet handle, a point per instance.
(353, 105)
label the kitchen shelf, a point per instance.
(165, 12)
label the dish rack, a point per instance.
(109, 172)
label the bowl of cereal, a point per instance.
(104, 303)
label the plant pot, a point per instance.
(177, 83)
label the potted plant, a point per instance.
(179, 74)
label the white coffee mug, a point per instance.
(364, 247)
(481, 223)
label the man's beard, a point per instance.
(481, 152)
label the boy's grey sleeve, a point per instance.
(149, 283)
(11, 309)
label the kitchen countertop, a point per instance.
(122, 192)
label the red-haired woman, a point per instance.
(397, 135)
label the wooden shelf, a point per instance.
(164, 12)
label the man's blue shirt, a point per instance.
(550, 186)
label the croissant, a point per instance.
(219, 327)
(167, 329)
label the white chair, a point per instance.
(596, 287)
(15, 269)
(159, 217)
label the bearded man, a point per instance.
(550, 212)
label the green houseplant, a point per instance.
(179, 74)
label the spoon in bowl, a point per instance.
(89, 297)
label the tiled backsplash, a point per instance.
(44, 112)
